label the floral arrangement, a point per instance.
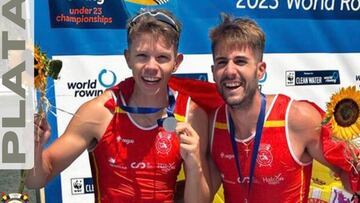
(43, 68)
(343, 115)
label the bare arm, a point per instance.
(86, 126)
(305, 125)
(215, 178)
(193, 150)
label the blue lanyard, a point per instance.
(148, 110)
(259, 127)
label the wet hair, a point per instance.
(158, 22)
(238, 33)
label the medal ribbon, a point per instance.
(259, 127)
(148, 110)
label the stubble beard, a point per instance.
(243, 102)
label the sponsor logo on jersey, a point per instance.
(163, 143)
(265, 157)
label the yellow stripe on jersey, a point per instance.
(274, 124)
(179, 117)
(222, 126)
(267, 124)
(119, 110)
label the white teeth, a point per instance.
(232, 84)
(151, 79)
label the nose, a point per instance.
(231, 69)
(151, 66)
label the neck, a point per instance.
(245, 118)
(157, 100)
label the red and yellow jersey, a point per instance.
(135, 164)
(279, 176)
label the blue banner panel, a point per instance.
(87, 14)
(196, 76)
(292, 9)
(291, 26)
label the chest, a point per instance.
(273, 155)
(130, 143)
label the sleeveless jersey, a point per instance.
(135, 164)
(278, 175)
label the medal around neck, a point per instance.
(169, 124)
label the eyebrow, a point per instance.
(220, 58)
(225, 58)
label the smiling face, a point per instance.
(152, 61)
(236, 73)
(237, 45)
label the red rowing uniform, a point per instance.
(279, 176)
(132, 163)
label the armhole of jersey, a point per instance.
(288, 136)
(213, 129)
(271, 106)
(93, 146)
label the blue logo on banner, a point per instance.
(101, 78)
(327, 77)
(88, 14)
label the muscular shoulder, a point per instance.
(304, 119)
(91, 116)
(94, 108)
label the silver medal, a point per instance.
(169, 124)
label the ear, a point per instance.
(127, 58)
(212, 70)
(261, 70)
(179, 58)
